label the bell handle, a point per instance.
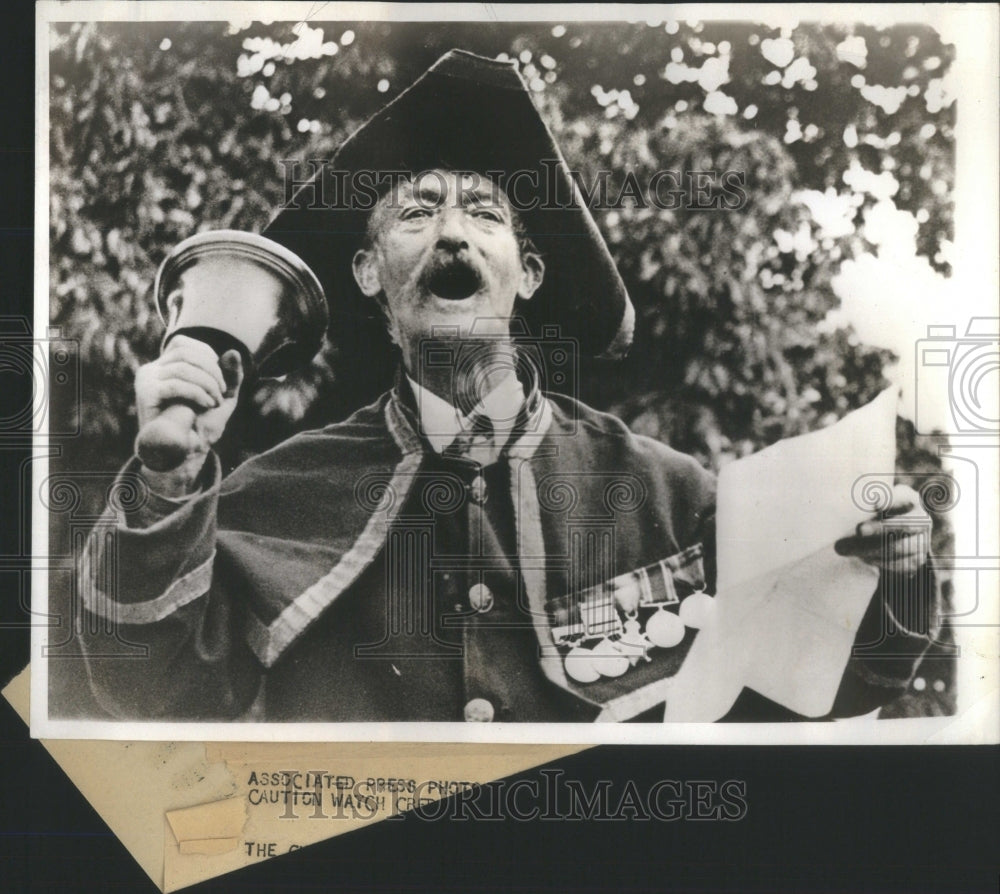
(162, 445)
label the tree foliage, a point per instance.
(158, 131)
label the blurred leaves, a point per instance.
(160, 130)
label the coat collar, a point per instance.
(441, 423)
(530, 427)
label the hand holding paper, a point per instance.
(898, 529)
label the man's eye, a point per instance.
(415, 213)
(488, 214)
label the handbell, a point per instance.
(233, 290)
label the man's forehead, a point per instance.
(464, 186)
(433, 188)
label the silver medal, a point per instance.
(633, 643)
(579, 664)
(664, 629)
(608, 659)
(698, 610)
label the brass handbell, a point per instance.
(233, 290)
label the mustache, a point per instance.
(451, 276)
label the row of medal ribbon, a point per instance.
(601, 644)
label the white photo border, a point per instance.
(971, 28)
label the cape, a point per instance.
(264, 596)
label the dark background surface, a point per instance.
(819, 819)
(824, 819)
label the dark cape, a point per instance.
(329, 578)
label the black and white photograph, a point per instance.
(546, 375)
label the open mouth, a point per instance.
(453, 280)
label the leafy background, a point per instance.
(746, 320)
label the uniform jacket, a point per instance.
(341, 577)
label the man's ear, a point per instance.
(533, 272)
(366, 272)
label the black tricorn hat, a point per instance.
(465, 113)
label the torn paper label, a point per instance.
(190, 811)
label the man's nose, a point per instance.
(451, 234)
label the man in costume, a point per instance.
(468, 547)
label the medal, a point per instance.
(633, 643)
(608, 659)
(579, 664)
(698, 610)
(664, 628)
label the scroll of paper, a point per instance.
(788, 606)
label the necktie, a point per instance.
(477, 433)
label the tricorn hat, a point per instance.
(465, 113)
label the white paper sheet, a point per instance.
(788, 607)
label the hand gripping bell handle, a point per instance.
(163, 443)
